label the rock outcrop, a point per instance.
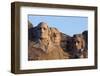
(29, 25)
(46, 43)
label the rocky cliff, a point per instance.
(47, 43)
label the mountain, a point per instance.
(60, 45)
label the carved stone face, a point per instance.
(78, 43)
(43, 31)
(55, 35)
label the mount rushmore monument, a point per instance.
(48, 43)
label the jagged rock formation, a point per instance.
(45, 43)
(63, 42)
(29, 25)
(85, 35)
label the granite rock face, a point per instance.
(46, 43)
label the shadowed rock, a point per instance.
(30, 25)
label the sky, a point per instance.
(67, 24)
